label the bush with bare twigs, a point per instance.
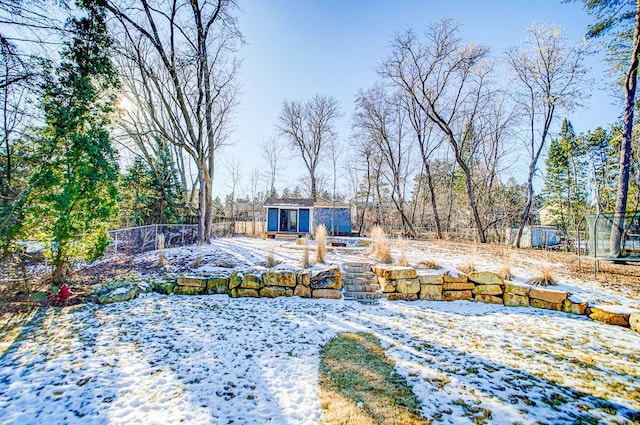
(428, 265)
(380, 249)
(321, 240)
(545, 279)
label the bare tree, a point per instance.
(381, 119)
(273, 151)
(184, 51)
(310, 127)
(447, 80)
(429, 142)
(550, 77)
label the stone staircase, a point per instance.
(360, 283)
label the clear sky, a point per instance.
(298, 48)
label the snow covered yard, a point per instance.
(213, 359)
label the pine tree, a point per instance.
(566, 181)
(73, 196)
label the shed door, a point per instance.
(304, 221)
(272, 220)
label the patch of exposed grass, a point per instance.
(358, 384)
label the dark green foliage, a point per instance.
(150, 193)
(566, 179)
(73, 193)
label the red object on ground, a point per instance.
(64, 293)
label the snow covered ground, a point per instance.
(214, 359)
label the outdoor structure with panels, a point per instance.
(300, 217)
(614, 236)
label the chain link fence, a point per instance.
(135, 240)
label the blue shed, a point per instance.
(301, 217)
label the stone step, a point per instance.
(358, 268)
(362, 295)
(362, 276)
(356, 264)
(359, 280)
(361, 288)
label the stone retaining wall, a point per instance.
(405, 283)
(265, 283)
(397, 283)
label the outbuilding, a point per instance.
(300, 217)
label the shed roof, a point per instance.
(304, 202)
(289, 202)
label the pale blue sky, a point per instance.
(298, 48)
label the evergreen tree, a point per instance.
(150, 191)
(566, 181)
(73, 196)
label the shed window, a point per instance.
(288, 220)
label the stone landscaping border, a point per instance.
(404, 283)
(396, 283)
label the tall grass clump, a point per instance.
(380, 249)
(468, 267)
(428, 265)
(505, 273)
(271, 260)
(321, 240)
(402, 261)
(544, 279)
(162, 261)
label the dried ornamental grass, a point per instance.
(271, 260)
(402, 261)
(505, 273)
(305, 257)
(428, 265)
(467, 267)
(380, 249)
(321, 240)
(545, 279)
(162, 261)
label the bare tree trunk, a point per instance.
(625, 150)
(432, 197)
